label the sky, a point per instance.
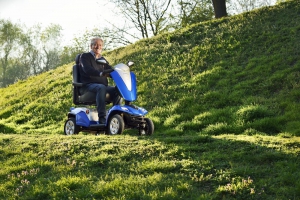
(75, 16)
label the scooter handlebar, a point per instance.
(107, 71)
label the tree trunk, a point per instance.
(220, 8)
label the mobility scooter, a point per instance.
(119, 117)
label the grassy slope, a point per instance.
(38, 104)
(237, 75)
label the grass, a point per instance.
(224, 98)
(130, 167)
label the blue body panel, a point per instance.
(128, 95)
(82, 119)
(128, 109)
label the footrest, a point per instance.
(97, 125)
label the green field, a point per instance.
(131, 167)
(224, 98)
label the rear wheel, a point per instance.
(115, 125)
(148, 129)
(70, 127)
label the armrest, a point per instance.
(77, 84)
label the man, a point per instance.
(93, 75)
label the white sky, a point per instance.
(75, 16)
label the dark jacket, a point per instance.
(90, 70)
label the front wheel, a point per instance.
(148, 129)
(115, 125)
(70, 127)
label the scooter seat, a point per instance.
(87, 98)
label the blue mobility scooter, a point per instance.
(118, 117)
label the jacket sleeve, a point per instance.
(87, 65)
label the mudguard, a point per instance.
(82, 118)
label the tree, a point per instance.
(219, 8)
(32, 58)
(149, 17)
(10, 35)
(24, 52)
(194, 11)
(51, 39)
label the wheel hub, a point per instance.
(114, 126)
(70, 127)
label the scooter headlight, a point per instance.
(125, 109)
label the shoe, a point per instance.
(102, 120)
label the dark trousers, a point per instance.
(100, 90)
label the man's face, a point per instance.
(97, 47)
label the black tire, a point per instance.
(70, 127)
(149, 128)
(116, 125)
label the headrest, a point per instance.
(77, 59)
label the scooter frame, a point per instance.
(118, 117)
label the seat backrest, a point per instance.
(88, 98)
(76, 70)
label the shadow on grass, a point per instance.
(240, 168)
(156, 167)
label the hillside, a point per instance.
(224, 97)
(236, 75)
